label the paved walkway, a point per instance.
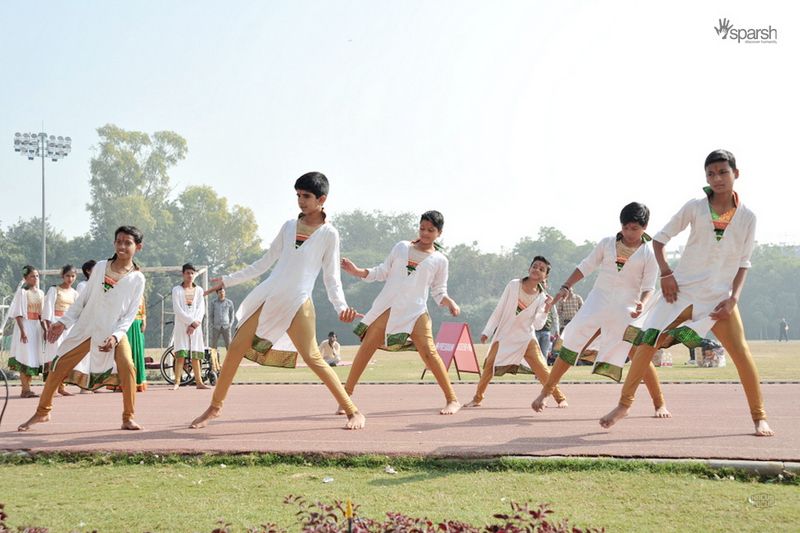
(710, 422)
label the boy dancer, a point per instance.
(703, 290)
(627, 271)
(281, 305)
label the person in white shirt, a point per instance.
(27, 350)
(57, 301)
(99, 320)
(627, 271)
(398, 319)
(702, 292)
(189, 306)
(522, 310)
(329, 349)
(279, 311)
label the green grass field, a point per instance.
(192, 494)
(776, 361)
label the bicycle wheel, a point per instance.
(168, 368)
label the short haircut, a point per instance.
(87, 267)
(720, 155)
(314, 182)
(634, 212)
(543, 260)
(188, 266)
(332, 334)
(434, 217)
(66, 269)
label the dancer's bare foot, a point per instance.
(451, 408)
(614, 416)
(539, 403)
(341, 411)
(662, 412)
(562, 404)
(473, 403)
(64, 392)
(28, 394)
(35, 419)
(87, 391)
(176, 386)
(131, 425)
(202, 420)
(763, 429)
(356, 421)
(202, 386)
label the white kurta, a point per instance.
(513, 332)
(291, 281)
(705, 271)
(184, 316)
(405, 294)
(28, 355)
(49, 314)
(96, 315)
(609, 305)
(82, 368)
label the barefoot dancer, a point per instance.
(58, 300)
(703, 290)
(26, 343)
(189, 307)
(281, 305)
(627, 271)
(99, 319)
(399, 316)
(522, 310)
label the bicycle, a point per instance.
(167, 367)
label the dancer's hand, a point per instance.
(23, 337)
(351, 268)
(723, 309)
(484, 338)
(55, 332)
(669, 287)
(216, 284)
(455, 310)
(349, 314)
(108, 344)
(638, 311)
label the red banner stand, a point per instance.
(454, 343)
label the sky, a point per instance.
(506, 116)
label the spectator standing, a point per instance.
(783, 333)
(568, 308)
(220, 316)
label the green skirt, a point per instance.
(136, 340)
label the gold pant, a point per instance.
(421, 336)
(126, 372)
(730, 333)
(533, 355)
(650, 377)
(302, 332)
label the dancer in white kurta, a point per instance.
(627, 271)
(57, 301)
(280, 308)
(83, 368)
(398, 319)
(99, 320)
(702, 293)
(511, 329)
(27, 346)
(189, 307)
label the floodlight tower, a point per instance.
(32, 145)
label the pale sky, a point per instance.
(504, 115)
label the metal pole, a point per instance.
(43, 150)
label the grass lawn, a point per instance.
(192, 493)
(775, 361)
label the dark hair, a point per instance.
(720, 155)
(188, 266)
(66, 269)
(87, 267)
(134, 232)
(26, 271)
(543, 260)
(332, 334)
(434, 217)
(313, 182)
(634, 212)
